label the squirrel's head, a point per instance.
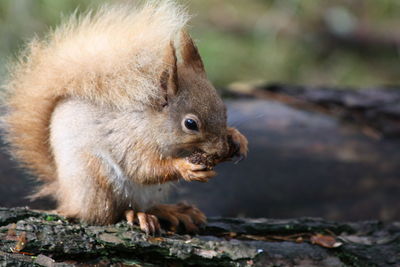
(194, 114)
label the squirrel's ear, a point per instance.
(189, 53)
(169, 74)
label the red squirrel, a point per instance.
(106, 110)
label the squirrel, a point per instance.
(106, 110)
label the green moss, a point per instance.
(50, 218)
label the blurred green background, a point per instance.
(316, 42)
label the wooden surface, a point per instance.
(53, 241)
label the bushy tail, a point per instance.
(109, 57)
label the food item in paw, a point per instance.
(201, 158)
(210, 161)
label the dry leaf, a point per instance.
(232, 234)
(325, 241)
(21, 243)
(155, 239)
(299, 239)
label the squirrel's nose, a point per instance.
(219, 147)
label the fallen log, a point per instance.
(375, 110)
(29, 237)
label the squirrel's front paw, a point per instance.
(193, 172)
(239, 147)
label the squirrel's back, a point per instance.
(109, 57)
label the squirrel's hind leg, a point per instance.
(148, 223)
(89, 195)
(174, 215)
(84, 176)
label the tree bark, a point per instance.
(53, 241)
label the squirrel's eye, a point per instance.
(191, 125)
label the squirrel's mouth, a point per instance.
(198, 154)
(181, 150)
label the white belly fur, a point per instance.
(73, 135)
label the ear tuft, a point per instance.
(189, 52)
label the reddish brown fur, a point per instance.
(97, 110)
(53, 68)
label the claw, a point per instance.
(240, 158)
(193, 172)
(238, 145)
(236, 153)
(130, 216)
(148, 223)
